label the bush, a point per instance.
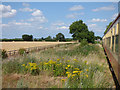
(83, 43)
(11, 67)
(4, 54)
(21, 51)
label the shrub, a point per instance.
(4, 54)
(21, 51)
(83, 43)
(11, 67)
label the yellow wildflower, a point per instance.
(26, 67)
(76, 68)
(62, 80)
(73, 75)
(67, 72)
(68, 66)
(46, 63)
(75, 59)
(34, 64)
(58, 60)
(86, 69)
(75, 71)
(68, 60)
(85, 62)
(86, 75)
(23, 64)
(51, 61)
(31, 69)
(30, 64)
(69, 75)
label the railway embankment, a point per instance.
(67, 66)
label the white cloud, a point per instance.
(37, 13)
(41, 19)
(26, 9)
(92, 25)
(62, 27)
(114, 16)
(25, 4)
(76, 8)
(106, 8)
(74, 15)
(18, 23)
(7, 11)
(4, 25)
(98, 20)
(95, 28)
(38, 17)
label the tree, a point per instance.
(76, 28)
(80, 31)
(60, 37)
(107, 27)
(91, 37)
(48, 38)
(26, 37)
(98, 37)
(35, 39)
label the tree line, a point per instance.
(78, 29)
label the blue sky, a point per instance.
(42, 19)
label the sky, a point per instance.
(42, 19)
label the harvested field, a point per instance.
(8, 46)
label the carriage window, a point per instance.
(116, 46)
(112, 43)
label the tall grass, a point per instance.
(70, 61)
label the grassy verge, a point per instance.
(67, 66)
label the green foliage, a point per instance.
(83, 43)
(26, 37)
(17, 67)
(11, 67)
(80, 31)
(22, 51)
(60, 37)
(16, 39)
(98, 37)
(74, 72)
(107, 27)
(48, 38)
(4, 54)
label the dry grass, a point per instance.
(44, 80)
(17, 45)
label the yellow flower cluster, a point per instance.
(31, 66)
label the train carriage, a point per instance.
(111, 44)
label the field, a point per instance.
(8, 46)
(67, 66)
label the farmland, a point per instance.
(8, 46)
(67, 66)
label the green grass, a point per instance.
(53, 63)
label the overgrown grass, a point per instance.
(71, 62)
